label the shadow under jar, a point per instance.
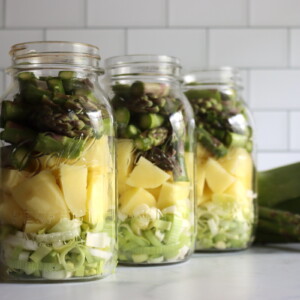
(155, 159)
(225, 171)
(57, 207)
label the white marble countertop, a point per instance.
(269, 272)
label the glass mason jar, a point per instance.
(57, 207)
(225, 170)
(155, 159)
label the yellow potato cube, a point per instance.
(98, 153)
(200, 179)
(41, 198)
(217, 178)
(155, 192)
(73, 181)
(147, 175)
(134, 197)
(238, 190)
(206, 195)
(124, 162)
(33, 226)
(171, 193)
(11, 178)
(97, 196)
(10, 212)
(238, 162)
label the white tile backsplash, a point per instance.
(295, 48)
(295, 130)
(269, 160)
(275, 89)
(111, 42)
(10, 37)
(248, 47)
(274, 12)
(208, 13)
(45, 13)
(273, 125)
(262, 37)
(170, 42)
(130, 13)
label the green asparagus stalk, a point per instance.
(11, 111)
(287, 230)
(122, 116)
(211, 143)
(56, 85)
(279, 216)
(149, 121)
(132, 131)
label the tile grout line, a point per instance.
(288, 48)
(45, 34)
(167, 13)
(248, 13)
(126, 40)
(288, 134)
(85, 11)
(207, 48)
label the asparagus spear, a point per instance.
(149, 121)
(122, 116)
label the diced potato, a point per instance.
(97, 196)
(217, 178)
(124, 162)
(41, 198)
(97, 153)
(11, 178)
(238, 162)
(73, 182)
(134, 197)
(155, 192)
(171, 193)
(200, 179)
(33, 226)
(224, 199)
(10, 212)
(147, 175)
(238, 190)
(206, 196)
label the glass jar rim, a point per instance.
(213, 75)
(143, 64)
(141, 58)
(65, 54)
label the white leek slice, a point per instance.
(97, 239)
(66, 225)
(156, 260)
(57, 236)
(24, 243)
(24, 255)
(53, 275)
(100, 253)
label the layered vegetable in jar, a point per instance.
(155, 160)
(57, 207)
(225, 173)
